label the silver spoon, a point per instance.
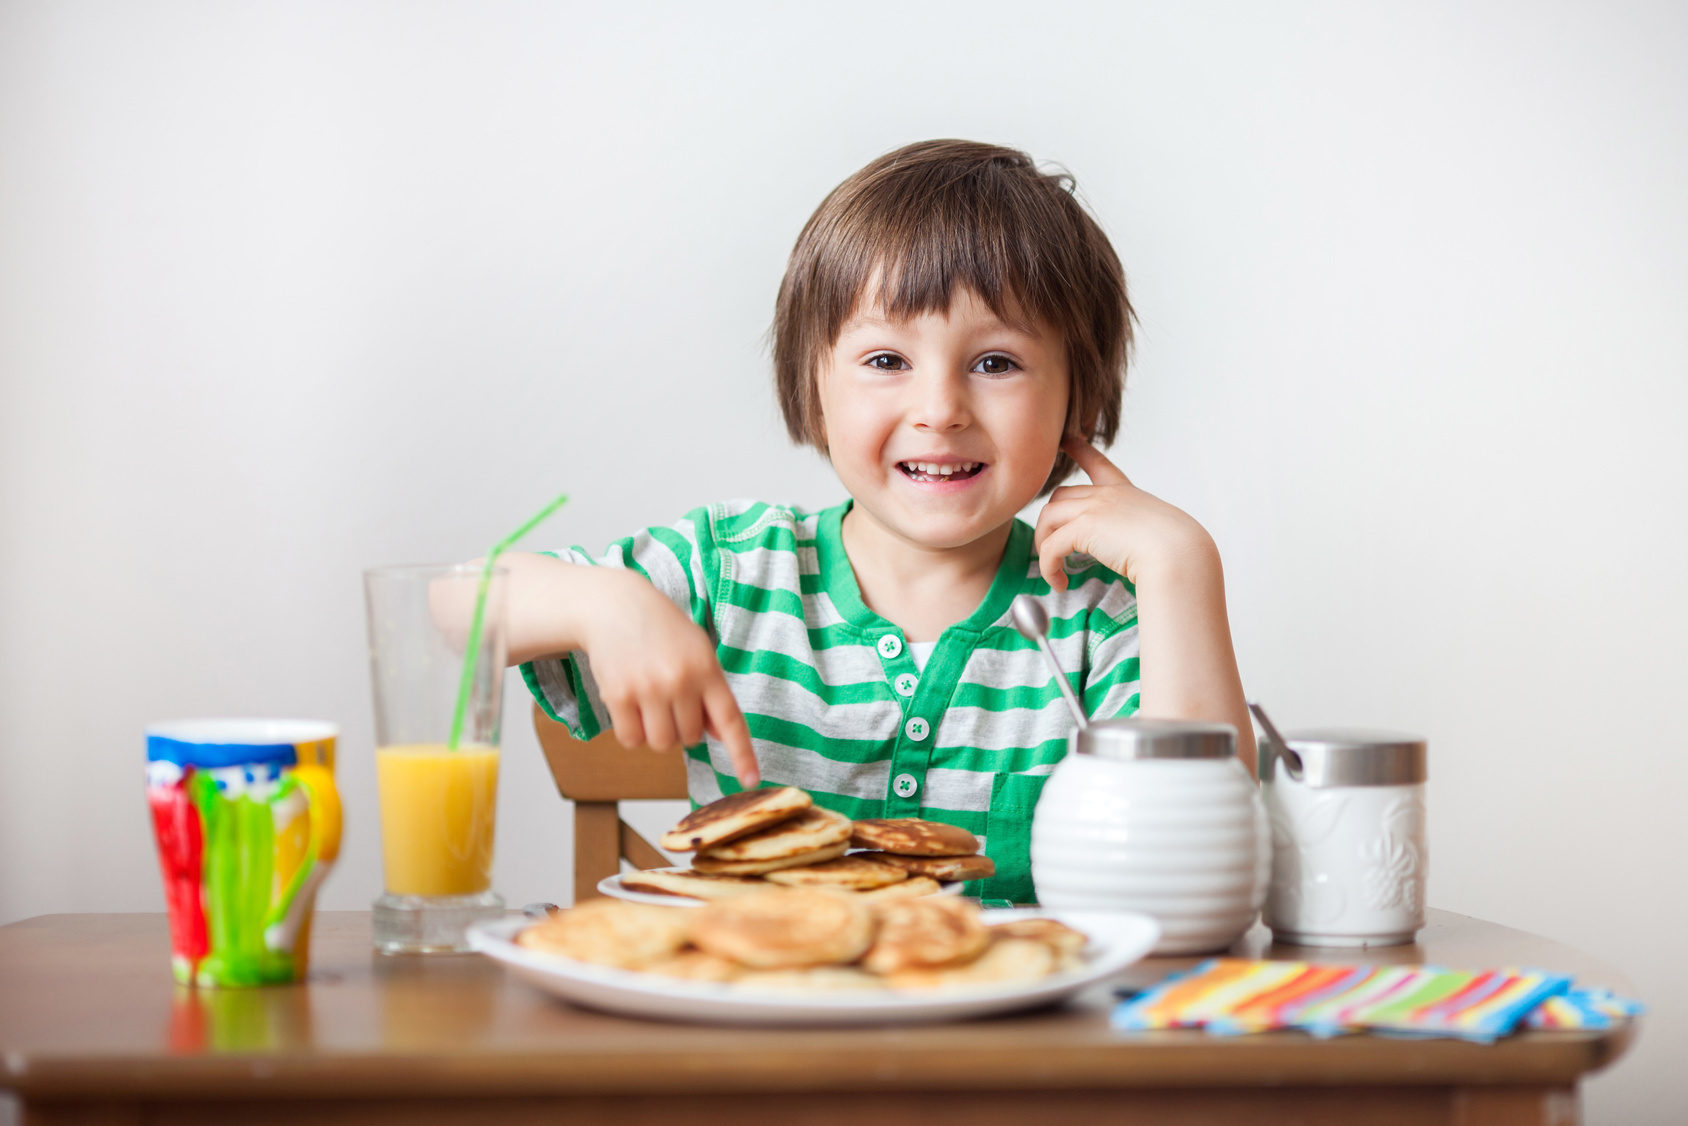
(1292, 761)
(1032, 621)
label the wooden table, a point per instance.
(93, 1030)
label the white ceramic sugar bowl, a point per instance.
(1348, 839)
(1155, 816)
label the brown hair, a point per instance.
(937, 215)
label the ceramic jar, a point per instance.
(1348, 842)
(1159, 817)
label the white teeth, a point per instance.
(933, 469)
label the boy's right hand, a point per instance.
(658, 675)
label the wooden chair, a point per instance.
(597, 776)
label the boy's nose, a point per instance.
(941, 404)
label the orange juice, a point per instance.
(437, 815)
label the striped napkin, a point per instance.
(1233, 995)
(1581, 1010)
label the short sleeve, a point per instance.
(679, 560)
(1112, 683)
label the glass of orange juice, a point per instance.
(439, 796)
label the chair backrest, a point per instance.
(597, 775)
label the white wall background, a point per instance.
(292, 289)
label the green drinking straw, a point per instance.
(467, 681)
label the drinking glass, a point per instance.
(438, 704)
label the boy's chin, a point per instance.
(952, 535)
(928, 528)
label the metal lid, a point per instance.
(1133, 738)
(1351, 757)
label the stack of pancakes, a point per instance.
(807, 939)
(748, 840)
(923, 848)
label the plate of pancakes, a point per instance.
(777, 836)
(814, 956)
(684, 887)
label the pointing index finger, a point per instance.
(722, 716)
(1093, 462)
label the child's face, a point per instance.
(944, 426)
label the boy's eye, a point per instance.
(995, 365)
(886, 361)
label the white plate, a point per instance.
(1117, 939)
(612, 886)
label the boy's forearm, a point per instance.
(553, 607)
(1184, 638)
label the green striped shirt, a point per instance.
(832, 695)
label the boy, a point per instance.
(952, 334)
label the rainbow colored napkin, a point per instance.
(1582, 1010)
(1233, 995)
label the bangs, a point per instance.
(910, 247)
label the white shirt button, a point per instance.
(917, 729)
(904, 785)
(890, 645)
(906, 684)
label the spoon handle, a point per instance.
(1061, 682)
(1292, 761)
(1032, 621)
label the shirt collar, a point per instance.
(838, 578)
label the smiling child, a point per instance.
(951, 334)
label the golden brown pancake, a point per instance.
(695, 965)
(1004, 962)
(939, 867)
(757, 867)
(1062, 938)
(911, 888)
(733, 816)
(784, 928)
(922, 933)
(846, 873)
(811, 829)
(910, 836)
(696, 885)
(611, 932)
(812, 979)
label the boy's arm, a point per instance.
(554, 608)
(656, 669)
(1189, 670)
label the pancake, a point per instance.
(939, 867)
(810, 829)
(735, 816)
(923, 933)
(846, 873)
(714, 867)
(912, 888)
(695, 885)
(611, 932)
(1004, 962)
(910, 836)
(695, 965)
(814, 979)
(784, 928)
(1059, 936)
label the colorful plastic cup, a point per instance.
(247, 821)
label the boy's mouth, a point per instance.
(927, 472)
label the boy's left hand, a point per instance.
(1124, 528)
